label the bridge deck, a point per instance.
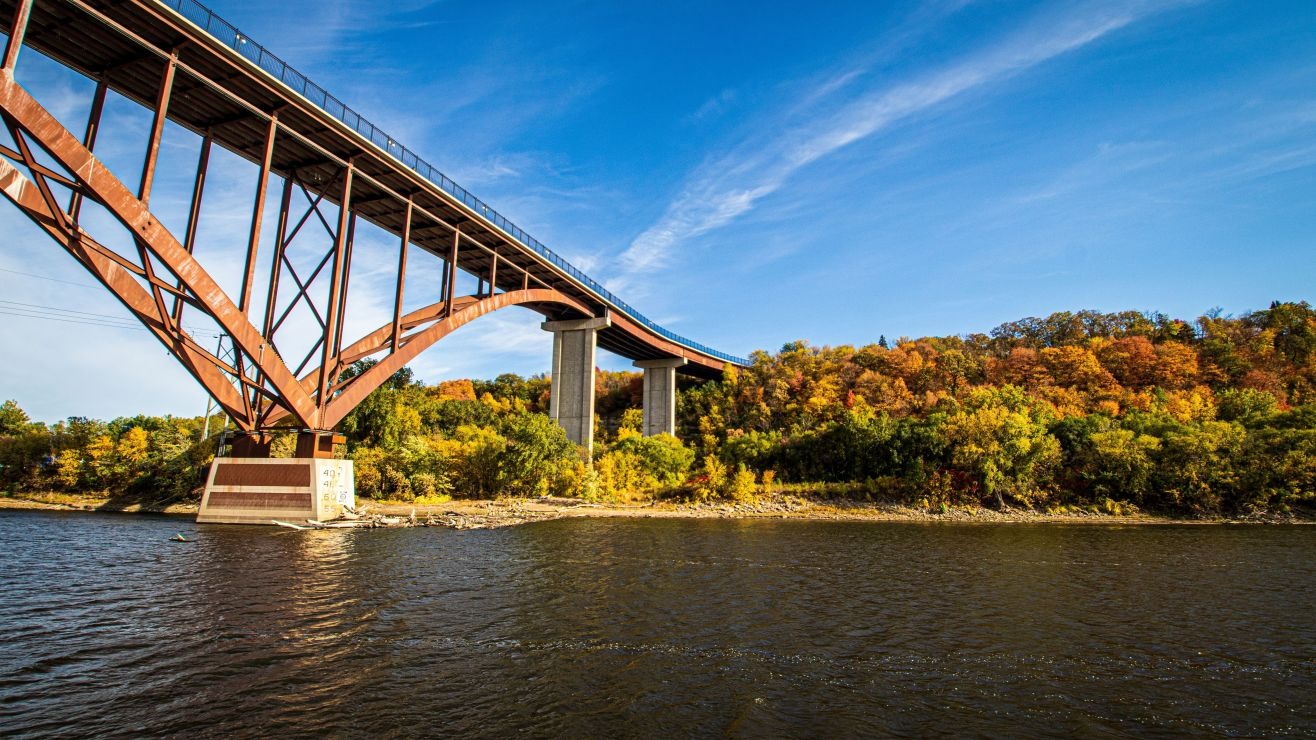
(228, 86)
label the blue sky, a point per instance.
(747, 174)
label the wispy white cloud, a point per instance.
(1110, 162)
(714, 106)
(1181, 168)
(728, 186)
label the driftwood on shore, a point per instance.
(363, 519)
(460, 515)
(359, 519)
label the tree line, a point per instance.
(1115, 411)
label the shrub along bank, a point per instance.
(1121, 411)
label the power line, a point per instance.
(51, 279)
(69, 320)
(30, 314)
(63, 312)
(27, 306)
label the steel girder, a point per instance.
(257, 389)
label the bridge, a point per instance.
(332, 170)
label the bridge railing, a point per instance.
(229, 35)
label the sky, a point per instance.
(749, 174)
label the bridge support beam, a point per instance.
(571, 396)
(243, 490)
(252, 488)
(660, 394)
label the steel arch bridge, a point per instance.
(332, 168)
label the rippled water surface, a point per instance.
(655, 628)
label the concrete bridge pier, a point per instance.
(571, 396)
(252, 488)
(660, 394)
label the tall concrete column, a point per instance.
(660, 394)
(571, 397)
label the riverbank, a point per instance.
(58, 501)
(506, 512)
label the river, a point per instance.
(655, 628)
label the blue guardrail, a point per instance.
(229, 35)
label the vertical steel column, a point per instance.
(257, 215)
(198, 190)
(280, 234)
(89, 139)
(148, 178)
(493, 274)
(402, 274)
(347, 277)
(194, 211)
(335, 285)
(16, 33)
(443, 281)
(452, 272)
(157, 130)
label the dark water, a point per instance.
(655, 628)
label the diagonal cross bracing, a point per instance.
(234, 93)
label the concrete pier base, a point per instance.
(571, 397)
(660, 394)
(258, 490)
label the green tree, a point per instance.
(1293, 326)
(537, 455)
(477, 461)
(383, 419)
(13, 420)
(1277, 471)
(1196, 469)
(662, 456)
(1118, 464)
(1002, 441)
(1246, 406)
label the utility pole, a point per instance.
(211, 405)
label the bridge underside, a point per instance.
(161, 282)
(282, 359)
(329, 177)
(258, 108)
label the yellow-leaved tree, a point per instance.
(1000, 439)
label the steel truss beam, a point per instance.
(255, 387)
(219, 92)
(418, 330)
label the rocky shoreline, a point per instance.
(488, 514)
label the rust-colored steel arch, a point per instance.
(87, 176)
(120, 280)
(427, 326)
(257, 389)
(232, 93)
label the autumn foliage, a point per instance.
(1088, 410)
(1075, 409)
